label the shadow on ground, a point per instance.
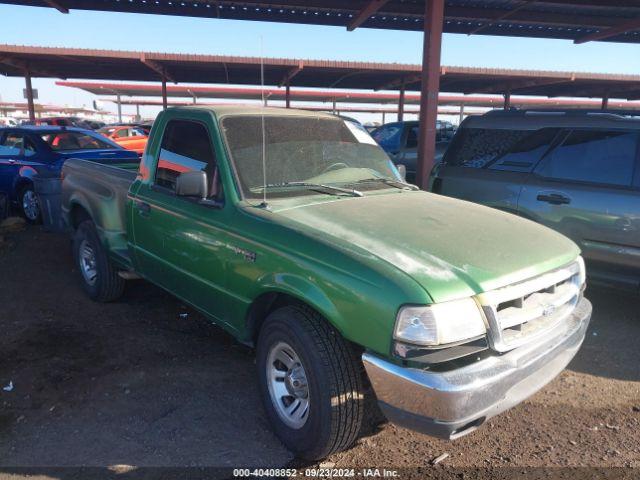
(611, 347)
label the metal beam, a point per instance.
(433, 24)
(164, 93)
(502, 16)
(363, 15)
(516, 85)
(628, 26)
(286, 80)
(119, 108)
(29, 88)
(158, 68)
(23, 65)
(401, 103)
(287, 96)
(57, 5)
(507, 100)
(408, 80)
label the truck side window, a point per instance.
(186, 147)
(606, 157)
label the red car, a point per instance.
(127, 136)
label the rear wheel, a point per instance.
(29, 204)
(311, 383)
(99, 278)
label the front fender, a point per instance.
(305, 291)
(363, 313)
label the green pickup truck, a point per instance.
(294, 232)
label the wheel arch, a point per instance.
(290, 290)
(78, 213)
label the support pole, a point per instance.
(433, 20)
(401, 102)
(137, 112)
(164, 93)
(287, 95)
(384, 117)
(507, 100)
(605, 102)
(461, 114)
(334, 106)
(119, 108)
(32, 108)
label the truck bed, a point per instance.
(101, 191)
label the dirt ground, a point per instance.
(146, 382)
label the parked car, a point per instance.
(127, 136)
(52, 121)
(576, 172)
(400, 141)
(8, 122)
(326, 261)
(28, 151)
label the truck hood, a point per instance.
(450, 247)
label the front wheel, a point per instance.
(99, 278)
(310, 381)
(29, 205)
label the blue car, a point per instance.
(31, 150)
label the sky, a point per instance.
(120, 31)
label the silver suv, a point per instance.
(576, 172)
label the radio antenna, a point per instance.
(264, 133)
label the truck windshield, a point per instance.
(304, 150)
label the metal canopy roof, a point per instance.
(145, 91)
(578, 20)
(216, 69)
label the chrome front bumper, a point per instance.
(453, 403)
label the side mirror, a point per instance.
(402, 170)
(192, 184)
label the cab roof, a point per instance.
(226, 110)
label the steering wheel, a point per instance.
(335, 166)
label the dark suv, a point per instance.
(576, 172)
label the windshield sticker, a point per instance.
(362, 136)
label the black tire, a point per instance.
(334, 378)
(107, 285)
(29, 216)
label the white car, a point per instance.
(8, 122)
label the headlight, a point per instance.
(440, 323)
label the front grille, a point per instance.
(519, 313)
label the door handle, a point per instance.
(12, 161)
(553, 198)
(144, 209)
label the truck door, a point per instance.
(584, 188)
(177, 240)
(490, 165)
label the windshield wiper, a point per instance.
(330, 189)
(391, 182)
